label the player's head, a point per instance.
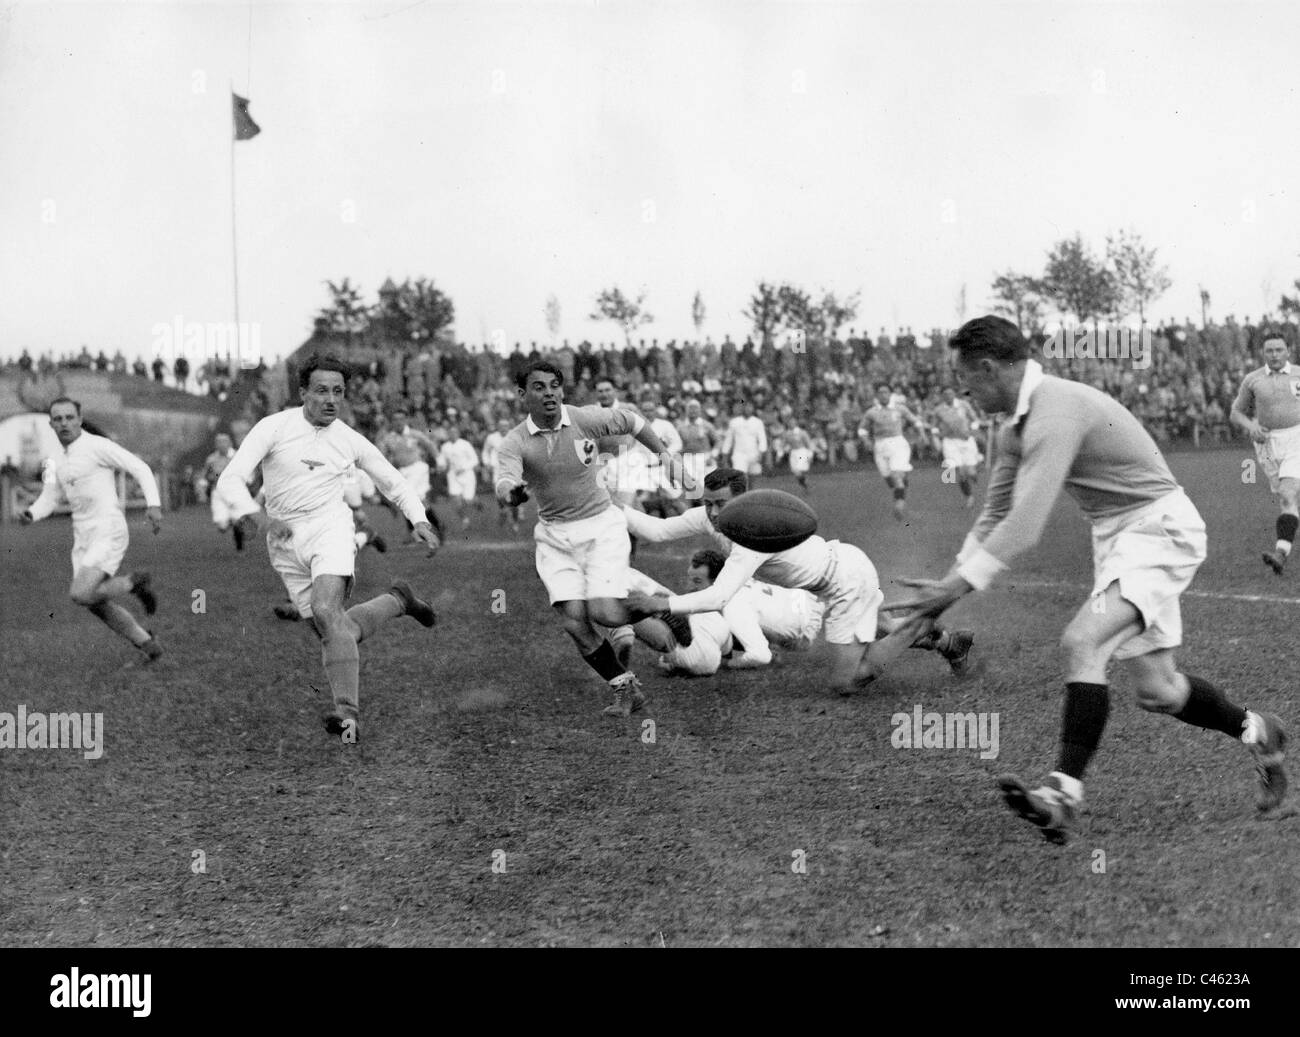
(949, 395)
(720, 486)
(991, 354)
(401, 417)
(224, 442)
(541, 388)
(747, 408)
(65, 419)
(692, 409)
(883, 393)
(322, 383)
(453, 433)
(503, 426)
(1276, 352)
(606, 392)
(704, 568)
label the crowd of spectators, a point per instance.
(1182, 389)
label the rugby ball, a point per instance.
(767, 520)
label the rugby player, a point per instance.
(583, 550)
(226, 514)
(1267, 409)
(955, 423)
(458, 459)
(1148, 541)
(84, 478)
(882, 429)
(745, 441)
(305, 453)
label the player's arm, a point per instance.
(741, 565)
(51, 497)
(742, 618)
(1243, 411)
(655, 530)
(233, 482)
(122, 459)
(510, 474)
(388, 480)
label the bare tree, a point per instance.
(552, 312)
(698, 313)
(764, 310)
(1138, 279)
(628, 314)
(1018, 297)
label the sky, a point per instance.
(514, 151)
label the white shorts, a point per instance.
(852, 595)
(1279, 455)
(703, 657)
(586, 559)
(1153, 552)
(893, 454)
(462, 485)
(417, 478)
(961, 453)
(800, 460)
(99, 544)
(225, 511)
(750, 464)
(323, 546)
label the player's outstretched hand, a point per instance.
(931, 597)
(646, 604)
(425, 534)
(277, 530)
(154, 515)
(517, 496)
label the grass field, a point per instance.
(486, 735)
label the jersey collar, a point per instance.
(1031, 381)
(535, 429)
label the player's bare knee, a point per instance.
(1157, 694)
(83, 596)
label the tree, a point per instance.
(697, 313)
(552, 312)
(764, 310)
(628, 314)
(1205, 305)
(797, 312)
(1290, 305)
(1138, 280)
(1077, 282)
(834, 312)
(429, 312)
(346, 313)
(1018, 297)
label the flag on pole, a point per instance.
(245, 127)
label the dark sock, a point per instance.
(900, 493)
(1210, 708)
(1082, 721)
(604, 660)
(964, 483)
(1286, 527)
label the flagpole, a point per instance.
(234, 226)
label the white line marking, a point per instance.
(1271, 599)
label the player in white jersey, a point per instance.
(789, 618)
(491, 449)
(85, 478)
(305, 454)
(458, 459)
(226, 514)
(800, 446)
(746, 442)
(844, 579)
(711, 640)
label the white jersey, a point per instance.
(808, 566)
(491, 447)
(304, 468)
(457, 457)
(710, 633)
(746, 437)
(83, 477)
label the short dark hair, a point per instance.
(993, 337)
(316, 362)
(521, 379)
(884, 385)
(711, 559)
(733, 478)
(64, 399)
(1267, 335)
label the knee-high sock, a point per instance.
(1083, 719)
(118, 620)
(370, 615)
(1208, 707)
(342, 664)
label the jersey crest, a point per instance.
(312, 465)
(586, 451)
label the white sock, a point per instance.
(1071, 788)
(1252, 731)
(1284, 548)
